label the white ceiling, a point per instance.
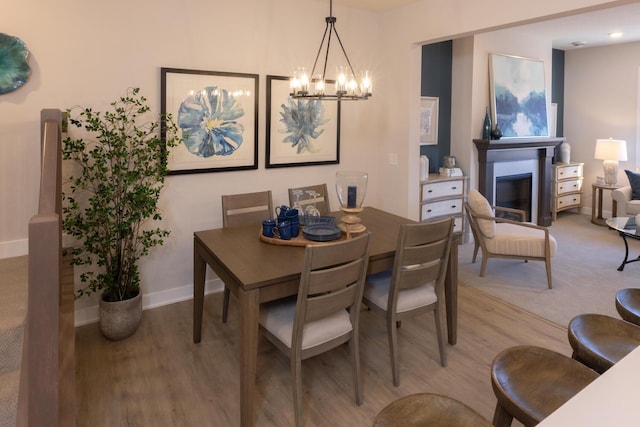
(593, 28)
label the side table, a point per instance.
(596, 198)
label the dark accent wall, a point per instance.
(436, 81)
(557, 87)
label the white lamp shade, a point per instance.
(611, 149)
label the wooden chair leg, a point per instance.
(547, 263)
(296, 380)
(441, 343)
(393, 350)
(483, 266)
(354, 347)
(225, 304)
(501, 418)
(475, 253)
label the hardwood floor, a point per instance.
(159, 377)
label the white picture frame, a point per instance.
(429, 106)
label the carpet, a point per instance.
(584, 272)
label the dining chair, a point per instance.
(244, 209)
(326, 312)
(501, 237)
(305, 199)
(415, 284)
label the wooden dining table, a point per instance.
(256, 272)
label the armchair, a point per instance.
(506, 238)
(626, 206)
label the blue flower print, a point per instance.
(208, 122)
(301, 120)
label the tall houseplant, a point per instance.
(120, 166)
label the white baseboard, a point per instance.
(14, 248)
(88, 315)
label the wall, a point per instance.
(86, 53)
(601, 101)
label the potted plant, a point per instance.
(120, 166)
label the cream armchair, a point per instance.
(505, 238)
(625, 206)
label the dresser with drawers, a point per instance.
(566, 187)
(442, 196)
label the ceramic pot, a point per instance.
(120, 319)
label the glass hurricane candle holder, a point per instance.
(351, 187)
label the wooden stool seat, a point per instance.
(426, 409)
(532, 382)
(628, 304)
(600, 341)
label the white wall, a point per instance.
(87, 53)
(601, 101)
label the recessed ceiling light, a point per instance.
(578, 44)
(615, 35)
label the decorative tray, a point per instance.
(299, 240)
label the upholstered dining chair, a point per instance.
(415, 284)
(506, 238)
(326, 313)
(244, 209)
(305, 199)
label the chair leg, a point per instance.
(354, 346)
(296, 380)
(225, 304)
(441, 343)
(483, 266)
(501, 418)
(393, 350)
(547, 263)
(475, 253)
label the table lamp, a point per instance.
(611, 151)
(351, 188)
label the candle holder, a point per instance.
(351, 188)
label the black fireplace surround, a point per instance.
(510, 150)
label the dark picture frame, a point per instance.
(217, 117)
(292, 143)
(518, 96)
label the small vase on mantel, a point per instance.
(564, 152)
(486, 126)
(496, 133)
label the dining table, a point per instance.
(256, 271)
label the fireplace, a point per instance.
(508, 157)
(514, 191)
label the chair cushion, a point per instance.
(513, 239)
(376, 290)
(634, 181)
(277, 317)
(633, 207)
(480, 205)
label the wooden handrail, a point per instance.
(47, 383)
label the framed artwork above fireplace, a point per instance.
(518, 96)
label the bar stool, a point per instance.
(427, 409)
(600, 341)
(531, 382)
(628, 304)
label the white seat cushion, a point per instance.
(277, 317)
(633, 207)
(516, 240)
(376, 290)
(480, 205)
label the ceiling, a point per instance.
(592, 28)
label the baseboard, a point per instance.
(88, 315)
(14, 248)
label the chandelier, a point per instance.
(347, 86)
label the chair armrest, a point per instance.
(523, 214)
(521, 224)
(622, 195)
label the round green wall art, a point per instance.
(14, 70)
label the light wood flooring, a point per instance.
(159, 377)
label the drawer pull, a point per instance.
(454, 188)
(428, 210)
(430, 191)
(453, 206)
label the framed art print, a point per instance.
(300, 132)
(429, 120)
(518, 96)
(217, 118)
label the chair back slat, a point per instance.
(245, 209)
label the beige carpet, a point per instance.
(584, 271)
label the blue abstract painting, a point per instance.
(208, 120)
(519, 96)
(302, 121)
(14, 69)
